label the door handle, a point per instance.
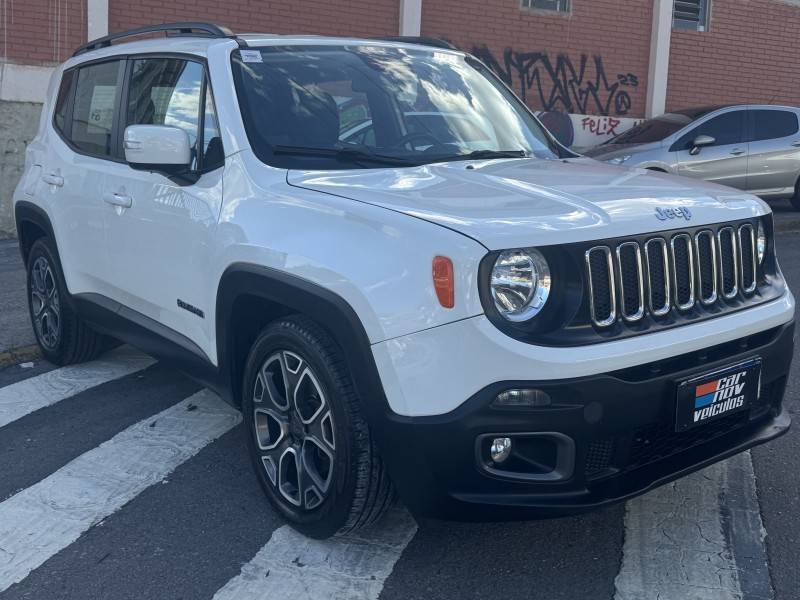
(53, 179)
(737, 152)
(115, 199)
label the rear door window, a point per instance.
(768, 124)
(94, 112)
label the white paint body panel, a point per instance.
(533, 202)
(369, 236)
(433, 372)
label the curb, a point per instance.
(784, 225)
(18, 355)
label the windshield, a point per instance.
(326, 107)
(653, 130)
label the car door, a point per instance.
(773, 162)
(74, 168)
(724, 161)
(160, 228)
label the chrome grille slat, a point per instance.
(747, 259)
(598, 266)
(657, 262)
(728, 263)
(706, 262)
(636, 312)
(683, 270)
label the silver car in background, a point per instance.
(750, 147)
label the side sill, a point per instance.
(140, 331)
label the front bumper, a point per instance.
(620, 427)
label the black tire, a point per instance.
(354, 490)
(62, 336)
(795, 200)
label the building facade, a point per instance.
(592, 68)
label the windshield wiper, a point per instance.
(344, 154)
(479, 154)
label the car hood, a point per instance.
(523, 202)
(609, 151)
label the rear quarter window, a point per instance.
(60, 114)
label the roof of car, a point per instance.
(199, 45)
(701, 111)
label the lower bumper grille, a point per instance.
(658, 441)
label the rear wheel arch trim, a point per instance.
(27, 212)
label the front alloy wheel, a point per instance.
(293, 427)
(311, 448)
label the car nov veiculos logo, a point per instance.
(718, 397)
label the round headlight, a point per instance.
(520, 284)
(761, 242)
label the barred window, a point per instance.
(691, 14)
(554, 5)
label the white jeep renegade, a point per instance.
(377, 252)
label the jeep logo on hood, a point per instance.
(673, 213)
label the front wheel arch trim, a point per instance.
(341, 321)
(298, 295)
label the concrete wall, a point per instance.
(18, 124)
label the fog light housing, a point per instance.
(522, 398)
(500, 449)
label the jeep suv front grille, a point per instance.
(747, 259)
(678, 272)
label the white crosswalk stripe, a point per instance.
(43, 519)
(29, 395)
(293, 567)
(675, 542)
(680, 540)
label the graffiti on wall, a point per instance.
(584, 131)
(561, 84)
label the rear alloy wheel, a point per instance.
(63, 336)
(311, 448)
(45, 304)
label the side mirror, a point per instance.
(159, 148)
(701, 141)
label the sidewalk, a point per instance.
(787, 218)
(16, 336)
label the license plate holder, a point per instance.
(715, 395)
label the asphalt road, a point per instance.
(15, 328)
(125, 480)
(777, 465)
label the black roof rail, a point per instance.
(421, 40)
(188, 28)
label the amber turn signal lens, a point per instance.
(443, 281)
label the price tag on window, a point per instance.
(251, 56)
